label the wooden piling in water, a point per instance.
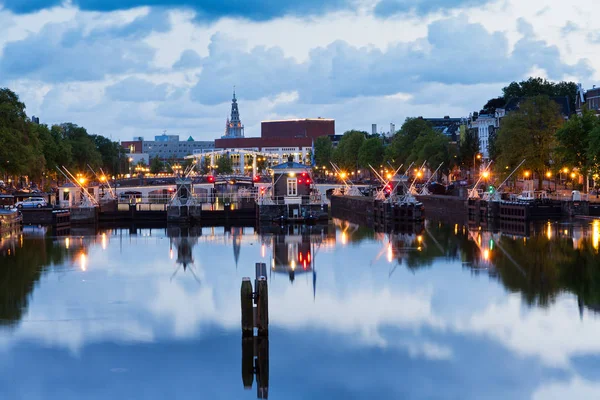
(247, 308)
(262, 367)
(262, 320)
(247, 362)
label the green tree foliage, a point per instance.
(492, 104)
(27, 148)
(530, 133)
(468, 147)
(156, 165)
(110, 153)
(434, 149)
(574, 142)
(224, 164)
(400, 150)
(370, 152)
(537, 86)
(346, 154)
(20, 147)
(83, 147)
(323, 151)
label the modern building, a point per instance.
(280, 138)
(589, 98)
(167, 146)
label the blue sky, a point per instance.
(125, 68)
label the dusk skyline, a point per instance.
(138, 67)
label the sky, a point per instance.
(125, 68)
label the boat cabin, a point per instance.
(291, 183)
(70, 195)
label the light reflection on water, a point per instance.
(446, 312)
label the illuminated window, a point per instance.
(292, 187)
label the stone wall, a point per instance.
(358, 210)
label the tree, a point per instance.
(323, 151)
(370, 153)
(224, 164)
(83, 147)
(530, 133)
(346, 154)
(434, 149)
(574, 143)
(401, 149)
(492, 104)
(468, 147)
(109, 152)
(156, 165)
(538, 86)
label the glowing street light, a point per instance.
(527, 173)
(548, 174)
(486, 174)
(82, 180)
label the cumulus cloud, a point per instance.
(189, 59)
(450, 54)
(138, 90)
(258, 10)
(60, 52)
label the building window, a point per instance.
(292, 187)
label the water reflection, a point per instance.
(419, 301)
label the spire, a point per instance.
(235, 129)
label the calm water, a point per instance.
(448, 313)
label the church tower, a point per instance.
(234, 128)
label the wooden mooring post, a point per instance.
(255, 349)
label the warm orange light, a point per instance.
(565, 170)
(527, 173)
(573, 175)
(419, 174)
(389, 176)
(343, 175)
(548, 174)
(479, 156)
(82, 180)
(102, 178)
(486, 174)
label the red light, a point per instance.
(300, 257)
(308, 256)
(304, 174)
(262, 190)
(211, 179)
(256, 178)
(308, 181)
(304, 264)
(299, 180)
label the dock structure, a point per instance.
(255, 348)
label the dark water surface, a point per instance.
(446, 313)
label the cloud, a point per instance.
(208, 10)
(137, 90)
(389, 8)
(189, 59)
(569, 27)
(340, 70)
(65, 52)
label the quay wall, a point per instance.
(358, 210)
(446, 208)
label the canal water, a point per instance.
(447, 312)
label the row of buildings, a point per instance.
(280, 139)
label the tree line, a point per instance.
(35, 150)
(549, 138)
